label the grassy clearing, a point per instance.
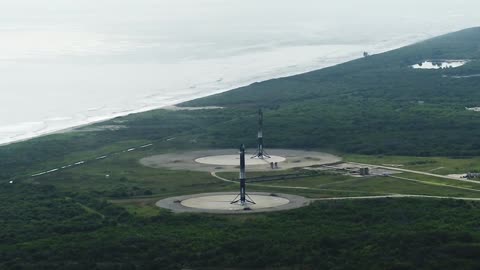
(124, 180)
(437, 165)
(123, 176)
(334, 185)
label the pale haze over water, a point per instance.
(65, 63)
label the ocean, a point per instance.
(66, 63)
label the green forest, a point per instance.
(374, 105)
(101, 215)
(72, 231)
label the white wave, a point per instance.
(59, 118)
(22, 127)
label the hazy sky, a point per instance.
(75, 27)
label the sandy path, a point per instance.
(433, 184)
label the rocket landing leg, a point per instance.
(244, 198)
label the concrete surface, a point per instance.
(234, 160)
(223, 202)
(219, 203)
(187, 160)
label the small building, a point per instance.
(364, 171)
(471, 175)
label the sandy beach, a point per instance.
(8, 134)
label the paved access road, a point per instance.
(396, 196)
(413, 171)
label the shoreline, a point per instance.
(253, 79)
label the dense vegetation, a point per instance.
(374, 105)
(68, 231)
(377, 104)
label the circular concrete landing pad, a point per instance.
(209, 160)
(220, 203)
(234, 160)
(223, 202)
